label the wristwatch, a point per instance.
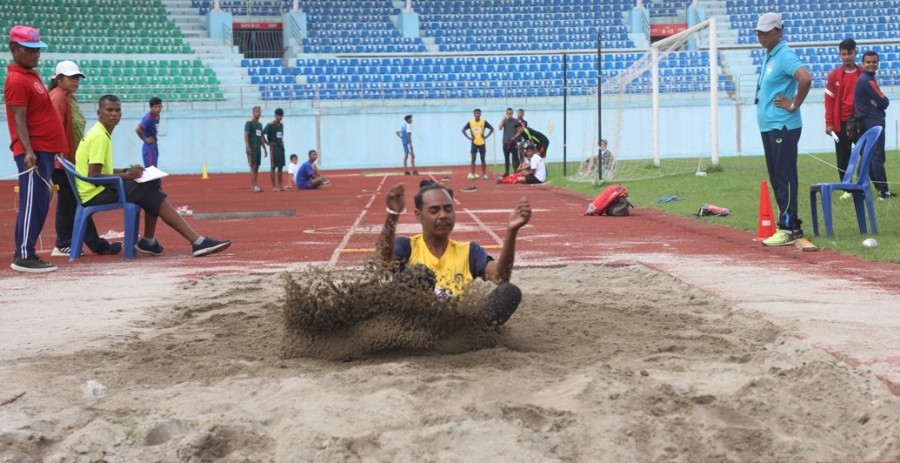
(792, 106)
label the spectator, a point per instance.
(871, 103)
(293, 168)
(147, 130)
(606, 158)
(479, 131)
(839, 89)
(254, 146)
(63, 86)
(308, 177)
(405, 134)
(510, 150)
(37, 135)
(274, 133)
(531, 172)
(782, 87)
(95, 159)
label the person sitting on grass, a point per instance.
(94, 158)
(454, 263)
(308, 177)
(534, 170)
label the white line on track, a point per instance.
(337, 252)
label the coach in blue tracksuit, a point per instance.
(869, 103)
(783, 85)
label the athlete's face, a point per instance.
(477, 115)
(437, 215)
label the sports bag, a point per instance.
(602, 203)
(619, 207)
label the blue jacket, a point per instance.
(869, 101)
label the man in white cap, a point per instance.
(782, 86)
(37, 135)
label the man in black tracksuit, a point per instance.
(870, 104)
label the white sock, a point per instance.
(150, 241)
(199, 240)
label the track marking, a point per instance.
(337, 252)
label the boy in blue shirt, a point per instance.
(147, 130)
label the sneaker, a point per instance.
(783, 238)
(502, 302)
(256, 189)
(62, 251)
(406, 173)
(471, 176)
(886, 195)
(485, 177)
(415, 172)
(209, 246)
(109, 249)
(144, 247)
(32, 265)
(847, 195)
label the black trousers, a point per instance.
(65, 215)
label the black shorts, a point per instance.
(148, 195)
(531, 179)
(479, 149)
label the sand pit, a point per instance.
(598, 364)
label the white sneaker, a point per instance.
(62, 252)
(847, 195)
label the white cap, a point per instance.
(769, 21)
(68, 69)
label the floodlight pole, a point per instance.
(565, 66)
(599, 107)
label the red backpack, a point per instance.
(612, 201)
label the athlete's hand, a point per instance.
(395, 198)
(520, 215)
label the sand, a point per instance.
(600, 363)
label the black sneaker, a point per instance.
(108, 249)
(209, 246)
(502, 303)
(32, 265)
(144, 247)
(886, 195)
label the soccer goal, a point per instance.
(682, 69)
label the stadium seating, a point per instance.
(117, 28)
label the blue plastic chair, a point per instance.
(860, 159)
(132, 211)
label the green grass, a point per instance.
(736, 186)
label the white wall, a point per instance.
(364, 137)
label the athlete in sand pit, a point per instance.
(454, 263)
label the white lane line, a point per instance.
(339, 250)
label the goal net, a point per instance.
(681, 70)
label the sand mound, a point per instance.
(351, 314)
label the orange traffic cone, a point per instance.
(766, 225)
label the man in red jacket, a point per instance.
(37, 135)
(839, 87)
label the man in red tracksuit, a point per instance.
(839, 87)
